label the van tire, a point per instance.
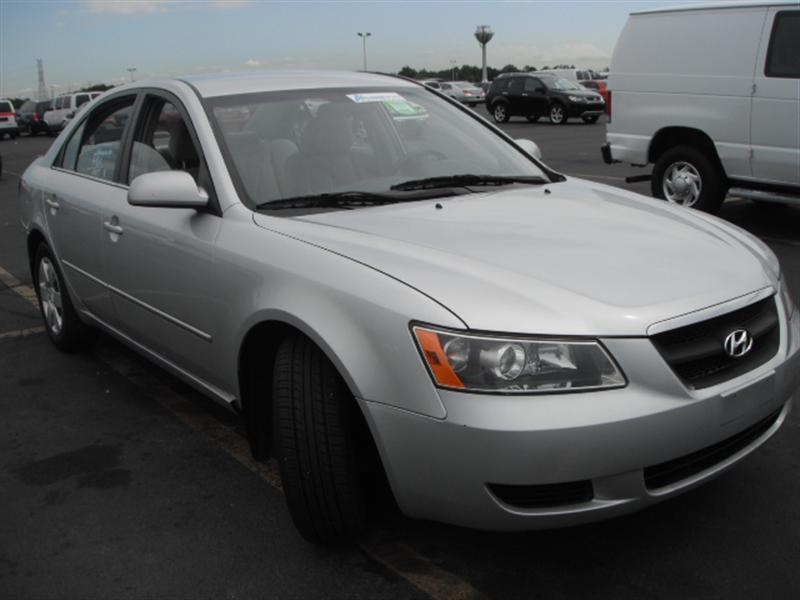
(315, 431)
(712, 183)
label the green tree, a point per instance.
(97, 87)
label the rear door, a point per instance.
(84, 179)
(535, 97)
(514, 94)
(775, 124)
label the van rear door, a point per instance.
(775, 120)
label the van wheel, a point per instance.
(686, 176)
(558, 114)
(500, 113)
(315, 425)
(590, 119)
(532, 118)
(63, 325)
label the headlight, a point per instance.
(786, 297)
(511, 365)
(577, 98)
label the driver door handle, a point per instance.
(113, 226)
(52, 202)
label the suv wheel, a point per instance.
(686, 176)
(315, 428)
(500, 113)
(558, 114)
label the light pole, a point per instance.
(484, 34)
(364, 37)
(452, 69)
(131, 71)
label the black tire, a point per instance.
(73, 334)
(315, 428)
(500, 112)
(590, 120)
(557, 114)
(532, 118)
(713, 185)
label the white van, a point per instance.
(66, 105)
(576, 75)
(711, 96)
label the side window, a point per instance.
(516, 85)
(98, 141)
(783, 56)
(162, 142)
(81, 99)
(500, 84)
(66, 102)
(446, 86)
(532, 84)
(59, 102)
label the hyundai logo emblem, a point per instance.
(738, 343)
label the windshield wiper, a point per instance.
(466, 180)
(335, 199)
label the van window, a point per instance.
(59, 102)
(783, 57)
(66, 102)
(81, 99)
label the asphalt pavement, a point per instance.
(118, 481)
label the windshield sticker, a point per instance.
(376, 97)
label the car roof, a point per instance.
(244, 82)
(717, 6)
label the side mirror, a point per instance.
(167, 189)
(530, 147)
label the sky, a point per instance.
(97, 41)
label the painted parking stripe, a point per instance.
(7, 335)
(16, 286)
(403, 560)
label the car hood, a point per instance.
(570, 258)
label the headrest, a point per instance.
(329, 132)
(245, 143)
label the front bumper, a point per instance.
(585, 110)
(442, 469)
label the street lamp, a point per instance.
(131, 70)
(364, 37)
(453, 69)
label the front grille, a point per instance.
(684, 467)
(696, 352)
(544, 496)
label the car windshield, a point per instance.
(561, 84)
(295, 144)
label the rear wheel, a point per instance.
(558, 114)
(63, 325)
(316, 433)
(687, 176)
(500, 113)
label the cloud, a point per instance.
(580, 54)
(138, 7)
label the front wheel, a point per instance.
(316, 432)
(500, 113)
(558, 114)
(63, 325)
(686, 176)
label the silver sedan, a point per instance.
(395, 294)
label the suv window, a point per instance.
(532, 84)
(95, 147)
(516, 85)
(592, 85)
(783, 56)
(162, 142)
(500, 84)
(5, 107)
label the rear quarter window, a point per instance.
(783, 56)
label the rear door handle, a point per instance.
(52, 202)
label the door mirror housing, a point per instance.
(167, 189)
(530, 147)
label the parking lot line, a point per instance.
(15, 285)
(22, 332)
(398, 558)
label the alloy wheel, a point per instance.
(50, 296)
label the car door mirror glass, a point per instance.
(167, 189)
(530, 147)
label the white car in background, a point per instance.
(718, 113)
(65, 107)
(8, 119)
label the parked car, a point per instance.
(472, 94)
(66, 105)
(710, 123)
(600, 86)
(446, 313)
(8, 119)
(574, 75)
(533, 96)
(30, 117)
(435, 84)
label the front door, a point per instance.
(536, 100)
(775, 125)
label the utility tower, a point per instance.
(483, 34)
(42, 86)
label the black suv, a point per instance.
(30, 116)
(533, 96)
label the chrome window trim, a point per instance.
(89, 177)
(149, 307)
